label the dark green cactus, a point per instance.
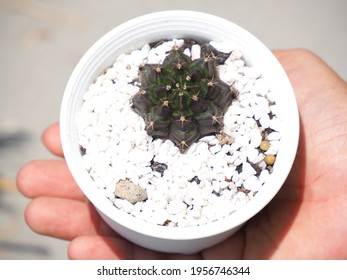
(183, 99)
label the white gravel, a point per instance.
(211, 180)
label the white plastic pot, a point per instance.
(133, 35)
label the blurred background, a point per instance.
(42, 40)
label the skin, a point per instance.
(306, 220)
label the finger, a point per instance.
(48, 178)
(99, 248)
(102, 247)
(51, 140)
(231, 248)
(64, 218)
(304, 68)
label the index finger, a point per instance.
(51, 139)
(48, 178)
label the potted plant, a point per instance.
(179, 126)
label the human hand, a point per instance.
(307, 219)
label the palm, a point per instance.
(308, 216)
(307, 219)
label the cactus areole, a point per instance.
(183, 99)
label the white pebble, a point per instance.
(275, 124)
(265, 121)
(252, 155)
(236, 55)
(187, 52)
(195, 212)
(264, 176)
(222, 46)
(160, 216)
(196, 52)
(274, 147)
(176, 207)
(228, 76)
(252, 72)
(252, 183)
(215, 149)
(239, 63)
(127, 206)
(274, 136)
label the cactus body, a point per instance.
(183, 99)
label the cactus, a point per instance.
(183, 99)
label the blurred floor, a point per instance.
(42, 40)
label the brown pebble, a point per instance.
(224, 138)
(264, 145)
(130, 192)
(270, 159)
